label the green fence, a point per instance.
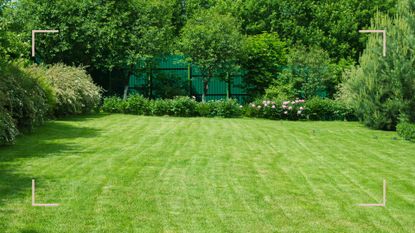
(172, 76)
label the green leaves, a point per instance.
(212, 41)
(106, 36)
(263, 56)
(381, 88)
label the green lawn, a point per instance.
(121, 173)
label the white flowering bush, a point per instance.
(287, 109)
(74, 90)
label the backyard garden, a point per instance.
(207, 116)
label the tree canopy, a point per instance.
(212, 41)
(102, 35)
(381, 89)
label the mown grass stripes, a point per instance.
(120, 173)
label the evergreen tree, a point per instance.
(381, 89)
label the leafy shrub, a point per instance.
(263, 55)
(161, 107)
(327, 109)
(225, 108)
(8, 130)
(204, 109)
(179, 106)
(113, 104)
(310, 72)
(406, 130)
(75, 91)
(183, 106)
(22, 97)
(220, 108)
(38, 73)
(137, 104)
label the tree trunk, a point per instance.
(126, 82)
(205, 89)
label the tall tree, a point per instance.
(104, 35)
(381, 89)
(212, 41)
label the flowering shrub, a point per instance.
(289, 109)
(314, 109)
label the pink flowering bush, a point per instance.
(287, 109)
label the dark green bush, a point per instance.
(226, 108)
(161, 107)
(22, 97)
(406, 130)
(220, 108)
(327, 109)
(113, 104)
(179, 106)
(8, 130)
(183, 106)
(204, 109)
(137, 104)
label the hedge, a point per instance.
(314, 109)
(31, 95)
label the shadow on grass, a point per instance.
(43, 142)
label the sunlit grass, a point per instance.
(120, 173)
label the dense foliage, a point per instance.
(297, 109)
(71, 90)
(406, 130)
(381, 89)
(31, 95)
(101, 35)
(331, 24)
(263, 57)
(309, 72)
(179, 106)
(23, 102)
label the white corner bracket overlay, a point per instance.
(384, 37)
(384, 198)
(33, 197)
(34, 35)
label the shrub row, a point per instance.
(23, 103)
(31, 95)
(179, 106)
(314, 109)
